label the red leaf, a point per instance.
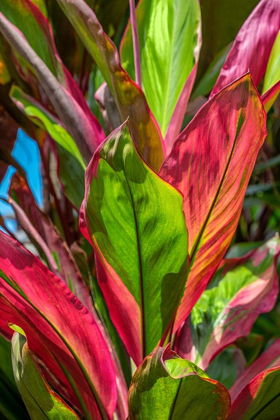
(252, 45)
(211, 163)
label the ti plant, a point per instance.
(128, 306)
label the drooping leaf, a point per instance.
(252, 45)
(67, 108)
(61, 332)
(227, 366)
(71, 164)
(129, 98)
(240, 290)
(268, 360)
(260, 399)
(167, 56)
(40, 400)
(31, 21)
(211, 163)
(166, 387)
(136, 224)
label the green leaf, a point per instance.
(272, 75)
(227, 366)
(168, 39)
(40, 400)
(166, 387)
(135, 221)
(71, 164)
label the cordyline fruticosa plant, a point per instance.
(141, 320)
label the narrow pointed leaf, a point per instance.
(67, 108)
(167, 57)
(240, 290)
(136, 224)
(272, 74)
(268, 360)
(165, 387)
(211, 163)
(59, 328)
(269, 97)
(71, 165)
(260, 399)
(30, 20)
(129, 98)
(39, 398)
(252, 45)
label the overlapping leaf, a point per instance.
(136, 224)
(268, 360)
(129, 97)
(240, 290)
(71, 164)
(260, 399)
(167, 57)
(252, 45)
(211, 163)
(69, 110)
(39, 398)
(61, 331)
(165, 387)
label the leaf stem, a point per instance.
(135, 39)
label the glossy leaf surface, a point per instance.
(61, 331)
(129, 97)
(252, 46)
(136, 224)
(240, 290)
(166, 387)
(40, 400)
(211, 163)
(167, 56)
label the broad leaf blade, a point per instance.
(166, 387)
(272, 74)
(39, 398)
(252, 45)
(129, 97)
(211, 163)
(136, 224)
(59, 328)
(268, 360)
(240, 290)
(260, 399)
(167, 56)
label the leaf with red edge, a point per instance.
(61, 332)
(260, 399)
(68, 109)
(135, 221)
(129, 98)
(167, 387)
(269, 97)
(36, 28)
(241, 289)
(168, 58)
(268, 360)
(211, 163)
(252, 45)
(40, 400)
